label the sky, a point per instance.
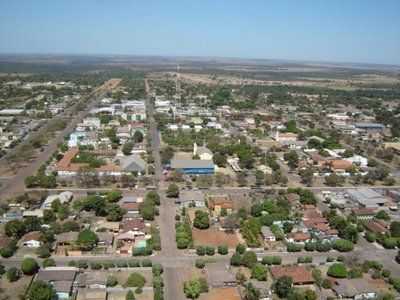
(319, 30)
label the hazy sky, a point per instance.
(328, 30)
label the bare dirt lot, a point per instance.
(230, 293)
(214, 237)
(13, 290)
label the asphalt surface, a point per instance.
(173, 280)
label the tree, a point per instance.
(219, 159)
(13, 274)
(259, 272)
(127, 148)
(334, 180)
(29, 266)
(15, 229)
(49, 262)
(343, 245)
(173, 191)
(251, 293)
(292, 158)
(395, 229)
(240, 248)
(115, 213)
(87, 240)
(223, 250)
(201, 220)
(41, 290)
(192, 289)
(135, 280)
(350, 233)
(283, 286)
(114, 196)
(249, 259)
(382, 215)
(138, 137)
(236, 260)
(130, 295)
(307, 176)
(337, 270)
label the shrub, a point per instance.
(135, 280)
(249, 259)
(48, 262)
(259, 272)
(323, 246)
(95, 266)
(157, 269)
(13, 274)
(147, 263)
(139, 290)
(201, 251)
(291, 247)
(223, 250)
(389, 243)
(82, 264)
(200, 264)
(210, 250)
(134, 263)
(343, 245)
(276, 260)
(108, 265)
(236, 259)
(111, 281)
(310, 246)
(29, 266)
(337, 270)
(240, 248)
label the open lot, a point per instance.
(214, 237)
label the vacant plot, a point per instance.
(214, 237)
(230, 293)
(13, 290)
(121, 295)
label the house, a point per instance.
(191, 198)
(358, 160)
(202, 152)
(63, 197)
(356, 288)
(364, 213)
(132, 163)
(106, 226)
(31, 239)
(299, 274)
(105, 239)
(267, 234)
(298, 237)
(219, 275)
(135, 226)
(61, 278)
(131, 208)
(66, 238)
(376, 227)
(285, 137)
(36, 213)
(366, 197)
(339, 165)
(370, 128)
(193, 166)
(217, 203)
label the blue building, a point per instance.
(193, 166)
